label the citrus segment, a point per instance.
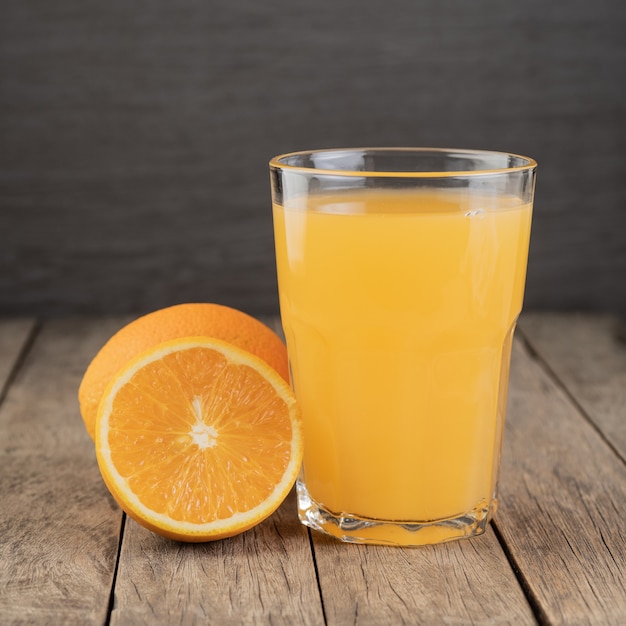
(181, 320)
(197, 439)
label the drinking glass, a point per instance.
(401, 276)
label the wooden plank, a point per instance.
(60, 527)
(562, 501)
(587, 353)
(13, 336)
(462, 582)
(263, 576)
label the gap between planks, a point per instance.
(16, 339)
(560, 343)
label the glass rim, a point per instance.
(529, 163)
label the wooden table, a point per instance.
(555, 554)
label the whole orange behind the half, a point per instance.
(183, 320)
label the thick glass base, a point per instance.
(354, 529)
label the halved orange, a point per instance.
(198, 440)
(181, 320)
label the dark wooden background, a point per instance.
(134, 136)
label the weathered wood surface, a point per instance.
(59, 526)
(589, 361)
(265, 576)
(556, 553)
(135, 136)
(563, 501)
(456, 583)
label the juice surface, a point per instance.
(398, 309)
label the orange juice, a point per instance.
(398, 308)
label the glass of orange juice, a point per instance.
(401, 275)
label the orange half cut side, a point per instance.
(198, 440)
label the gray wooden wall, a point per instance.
(134, 136)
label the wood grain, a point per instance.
(59, 527)
(464, 582)
(263, 576)
(562, 508)
(587, 354)
(135, 138)
(557, 556)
